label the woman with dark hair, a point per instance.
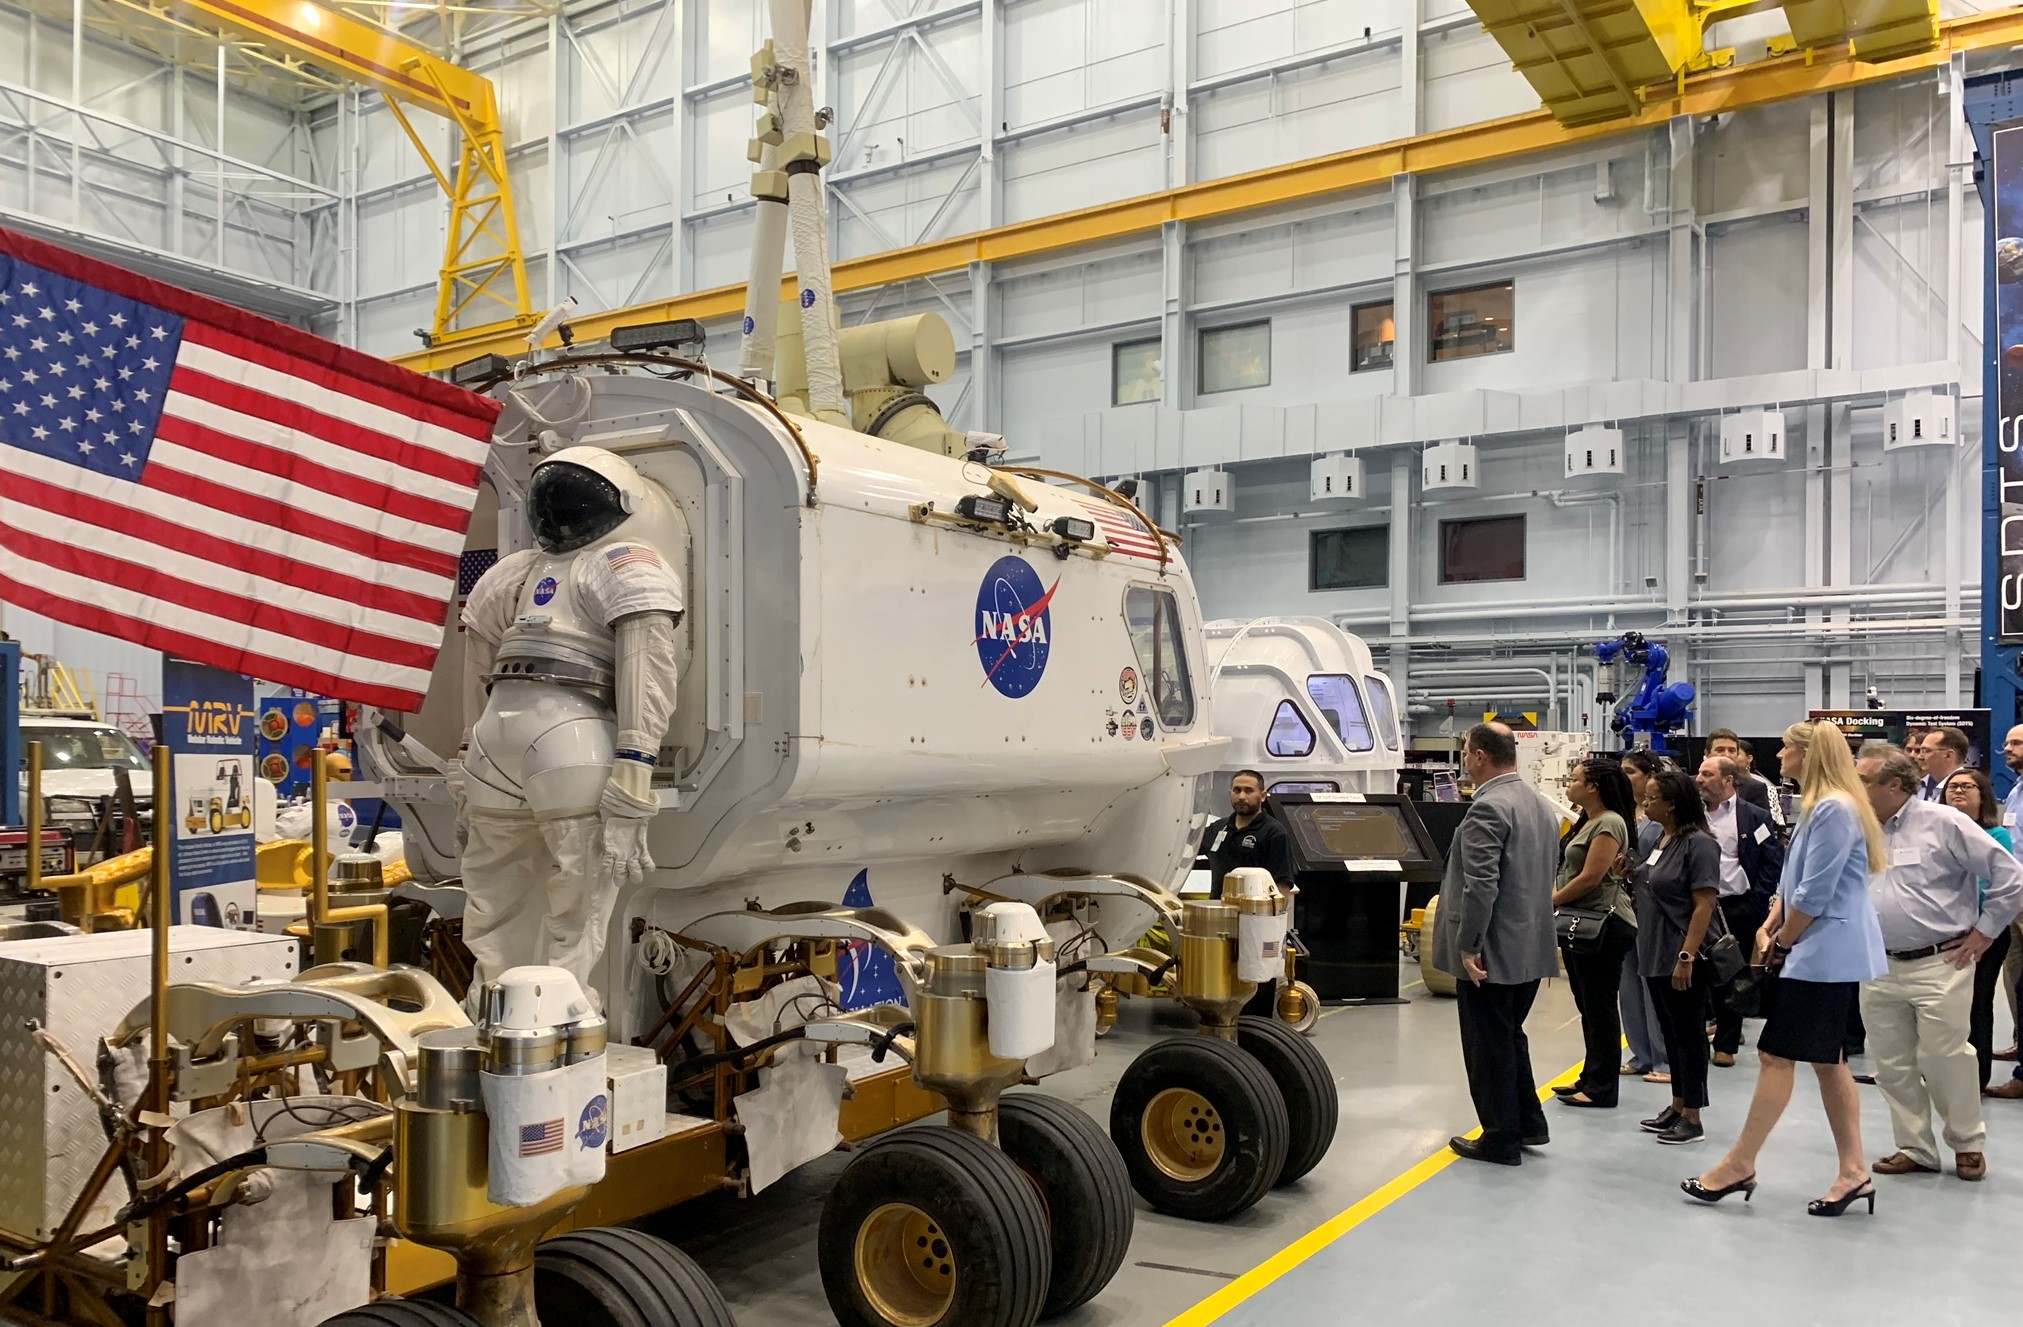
(1589, 882)
(1641, 1027)
(1676, 888)
(1969, 792)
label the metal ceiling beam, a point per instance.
(1719, 91)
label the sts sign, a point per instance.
(1014, 626)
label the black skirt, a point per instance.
(1808, 1021)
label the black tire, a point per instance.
(1313, 1108)
(1237, 1156)
(403, 1313)
(987, 1229)
(1084, 1187)
(611, 1277)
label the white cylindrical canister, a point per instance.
(531, 1155)
(1020, 1002)
(1260, 946)
(589, 1096)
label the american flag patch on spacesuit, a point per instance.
(631, 555)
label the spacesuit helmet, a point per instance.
(579, 495)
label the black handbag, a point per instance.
(1723, 957)
(1580, 929)
(1745, 993)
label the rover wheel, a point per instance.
(929, 1227)
(1437, 982)
(610, 1277)
(1298, 1006)
(1202, 1127)
(403, 1313)
(1313, 1108)
(1082, 1184)
(217, 822)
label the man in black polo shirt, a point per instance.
(1249, 837)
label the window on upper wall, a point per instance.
(1489, 548)
(1480, 320)
(1358, 559)
(1235, 357)
(1372, 329)
(1134, 373)
(1290, 735)
(1342, 706)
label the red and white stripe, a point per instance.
(299, 517)
(1122, 530)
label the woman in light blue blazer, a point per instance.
(1820, 944)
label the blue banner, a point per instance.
(208, 721)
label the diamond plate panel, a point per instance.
(80, 987)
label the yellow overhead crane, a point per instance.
(1597, 60)
(484, 269)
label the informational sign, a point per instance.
(2007, 232)
(208, 721)
(1903, 727)
(290, 728)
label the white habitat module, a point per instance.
(882, 682)
(1301, 702)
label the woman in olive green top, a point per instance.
(1588, 880)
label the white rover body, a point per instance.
(871, 683)
(1301, 702)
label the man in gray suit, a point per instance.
(1493, 933)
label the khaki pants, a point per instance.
(1917, 1015)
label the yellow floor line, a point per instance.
(1307, 1245)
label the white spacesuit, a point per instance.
(569, 662)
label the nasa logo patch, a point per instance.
(750, 326)
(593, 1127)
(1014, 627)
(807, 298)
(544, 589)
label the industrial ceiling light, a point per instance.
(1448, 465)
(1208, 495)
(1337, 478)
(1594, 450)
(1752, 435)
(1920, 419)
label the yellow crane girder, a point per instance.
(484, 269)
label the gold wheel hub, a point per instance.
(905, 1266)
(1183, 1134)
(1292, 1004)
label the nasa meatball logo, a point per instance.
(544, 589)
(593, 1127)
(1014, 627)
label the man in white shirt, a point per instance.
(1752, 863)
(1936, 921)
(1945, 755)
(1749, 786)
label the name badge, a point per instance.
(2009, 820)
(1217, 845)
(1652, 860)
(1762, 834)
(1906, 856)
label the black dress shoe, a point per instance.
(1567, 1089)
(1591, 1103)
(1682, 1132)
(1660, 1122)
(1473, 1149)
(1537, 1140)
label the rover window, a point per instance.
(1153, 617)
(1304, 786)
(1342, 706)
(1290, 735)
(1386, 713)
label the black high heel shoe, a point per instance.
(1834, 1207)
(1694, 1189)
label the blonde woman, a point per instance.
(1821, 943)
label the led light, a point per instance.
(481, 372)
(990, 511)
(1074, 528)
(643, 338)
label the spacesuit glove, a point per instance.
(628, 807)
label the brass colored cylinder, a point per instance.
(951, 1047)
(440, 1175)
(1208, 983)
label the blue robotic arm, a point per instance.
(1656, 710)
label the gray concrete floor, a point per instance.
(1601, 1183)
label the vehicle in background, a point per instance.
(81, 758)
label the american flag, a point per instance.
(193, 478)
(1121, 529)
(540, 1139)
